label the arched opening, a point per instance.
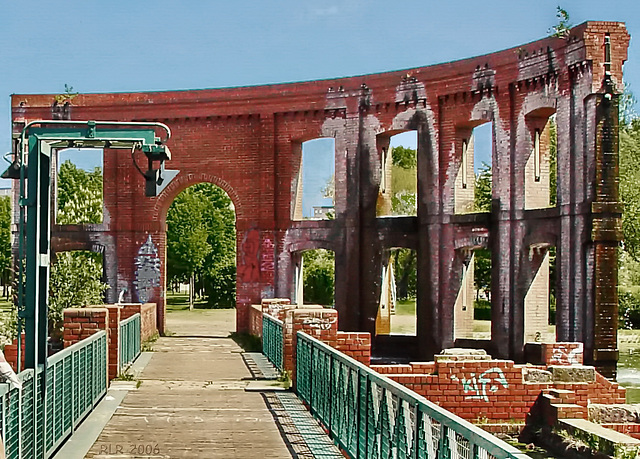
(398, 292)
(79, 186)
(201, 249)
(315, 184)
(398, 191)
(314, 278)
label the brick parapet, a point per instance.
(255, 320)
(80, 323)
(113, 339)
(356, 345)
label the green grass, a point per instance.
(180, 302)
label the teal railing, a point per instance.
(273, 340)
(74, 382)
(371, 416)
(129, 341)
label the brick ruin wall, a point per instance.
(467, 382)
(248, 141)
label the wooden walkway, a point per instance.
(191, 401)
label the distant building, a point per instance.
(320, 212)
(5, 192)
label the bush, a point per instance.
(481, 310)
(628, 309)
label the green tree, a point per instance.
(5, 243)
(201, 243)
(482, 190)
(405, 267)
(629, 190)
(318, 282)
(404, 157)
(563, 27)
(75, 282)
(79, 195)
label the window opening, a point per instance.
(79, 186)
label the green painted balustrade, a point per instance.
(370, 416)
(273, 340)
(129, 341)
(74, 382)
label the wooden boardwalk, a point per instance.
(191, 402)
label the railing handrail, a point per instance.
(272, 319)
(74, 347)
(129, 319)
(481, 438)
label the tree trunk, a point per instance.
(191, 286)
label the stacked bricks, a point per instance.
(318, 322)
(11, 353)
(113, 337)
(275, 306)
(80, 323)
(356, 345)
(255, 320)
(148, 317)
(476, 387)
(563, 353)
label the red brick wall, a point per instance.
(114, 339)
(80, 323)
(148, 317)
(11, 354)
(255, 320)
(356, 345)
(493, 389)
(319, 323)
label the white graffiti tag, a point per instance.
(562, 356)
(477, 386)
(320, 323)
(147, 270)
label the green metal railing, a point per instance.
(129, 341)
(76, 379)
(273, 340)
(371, 416)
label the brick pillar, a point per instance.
(80, 323)
(318, 322)
(113, 339)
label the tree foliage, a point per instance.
(629, 189)
(75, 282)
(201, 242)
(405, 266)
(5, 240)
(319, 278)
(79, 195)
(563, 26)
(482, 190)
(406, 158)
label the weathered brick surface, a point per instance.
(248, 141)
(148, 317)
(355, 344)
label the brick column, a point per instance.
(11, 354)
(113, 337)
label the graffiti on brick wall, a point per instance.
(147, 270)
(563, 355)
(475, 387)
(266, 259)
(320, 323)
(249, 262)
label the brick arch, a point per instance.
(184, 181)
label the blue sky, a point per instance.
(155, 45)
